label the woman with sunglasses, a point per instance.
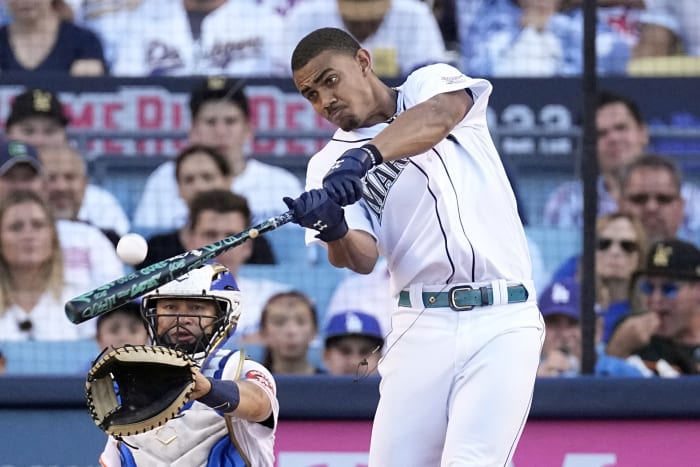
(620, 248)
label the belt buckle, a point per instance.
(452, 293)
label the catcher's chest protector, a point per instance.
(189, 439)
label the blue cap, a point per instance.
(561, 297)
(353, 323)
(17, 152)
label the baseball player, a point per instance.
(423, 185)
(232, 416)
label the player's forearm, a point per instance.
(356, 251)
(421, 127)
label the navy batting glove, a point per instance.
(316, 210)
(344, 180)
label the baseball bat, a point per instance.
(121, 291)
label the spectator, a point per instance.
(401, 35)
(288, 326)
(220, 118)
(199, 169)
(216, 214)
(3, 363)
(669, 27)
(37, 118)
(523, 38)
(193, 37)
(353, 344)
(122, 326)
(89, 257)
(561, 350)
(68, 188)
(651, 189)
(622, 138)
(40, 40)
(33, 287)
(665, 341)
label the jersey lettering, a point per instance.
(378, 182)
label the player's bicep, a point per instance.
(255, 404)
(454, 105)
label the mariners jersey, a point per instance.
(479, 235)
(200, 436)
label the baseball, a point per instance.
(132, 248)
(253, 233)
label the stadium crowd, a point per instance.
(62, 242)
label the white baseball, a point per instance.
(132, 248)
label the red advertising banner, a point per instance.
(594, 443)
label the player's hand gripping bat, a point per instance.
(120, 291)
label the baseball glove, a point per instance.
(136, 388)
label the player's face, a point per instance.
(222, 125)
(674, 302)
(198, 173)
(288, 329)
(621, 139)
(38, 131)
(65, 181)
(343, 357)
(119, 329)
(652, 196)
(212, 226)
(21, 177)
(26, 236)
(336, 85)
(617, 254)
(184, 321)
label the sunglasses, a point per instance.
(628, 246)
(643, 198)
(668, 289)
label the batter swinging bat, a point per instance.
(126, 288)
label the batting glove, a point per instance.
(344, 180)
(316, 210)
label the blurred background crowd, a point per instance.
(63, 209)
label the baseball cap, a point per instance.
(675, 259)
(219, 88)
(37, 102)
(363, 10)
(561, 297)
(17, 152)
(353, 323)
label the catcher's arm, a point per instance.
(242, 399)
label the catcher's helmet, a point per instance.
(210, 282)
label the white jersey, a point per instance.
(200, 428)
(436, 235)
(90, 259)
(48, 320)
(101, 209)
(263, 185)
(408, 36)
(156, 39)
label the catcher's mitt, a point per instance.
(136, 388)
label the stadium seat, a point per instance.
(556, 244)
(49, 357)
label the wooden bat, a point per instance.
(121, 291)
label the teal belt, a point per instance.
(464, 297)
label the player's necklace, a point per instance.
(396, 106)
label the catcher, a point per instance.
(184, 400)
